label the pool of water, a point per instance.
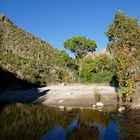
(35, 122)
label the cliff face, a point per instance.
(95, 55)
(27, 56)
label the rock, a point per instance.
(61, 108)
(122, 108)
(99, 104)
(1, 17)
(60, 101)
(63, 84)
(94, 106)
(100, 110)
(4, 18)
(81, 108)
(136, 104)
(68, 108)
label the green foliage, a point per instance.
(65, 60)
(100, 70)
(80, 46)
(33, 80)
(124, 41)
(31, 58)
(122, 91)
(34, 60)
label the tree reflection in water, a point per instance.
(26, 122)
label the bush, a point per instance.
(100, 70)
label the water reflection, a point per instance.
(110, 133)
(73, 125)
(107, 132)
(58, 132)
(26, 122)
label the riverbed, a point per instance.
(85, 96)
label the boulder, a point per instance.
(63, 84)
(122, 108)
(99, 104)
(61, 107)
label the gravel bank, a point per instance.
(67, 96)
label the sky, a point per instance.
(55, 21)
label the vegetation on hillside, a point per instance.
(124, 43)
(35, 61)
(30, 58)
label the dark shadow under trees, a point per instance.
(15, 90)
(10, 81)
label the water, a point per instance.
(34, 122)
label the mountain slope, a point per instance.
(29, 57)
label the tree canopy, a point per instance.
(124, 43)
(80, 46)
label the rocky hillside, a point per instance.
(95, 55)
(29, 57)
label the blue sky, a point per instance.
(56, 20)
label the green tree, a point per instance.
(124, 43)
(101, 70)
(80, 46)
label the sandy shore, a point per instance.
(67, 96)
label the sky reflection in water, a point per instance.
(26, 122)
(59, 133)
